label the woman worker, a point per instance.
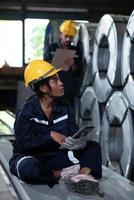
(42, 125)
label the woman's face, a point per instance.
(57, 88)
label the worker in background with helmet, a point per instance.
(70, 78)
(42, 125)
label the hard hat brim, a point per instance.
(55, 71)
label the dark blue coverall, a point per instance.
(36, 154)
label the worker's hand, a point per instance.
(57, 137)
(74, 144)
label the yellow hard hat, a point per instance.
(68, 27)
(37, 70)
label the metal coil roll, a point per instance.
(89, 112)
(107, 56)
(117, 135)
(86, 36)
(128, 62)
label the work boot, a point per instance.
(83, 184)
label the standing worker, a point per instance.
(42, 125)
(70, 78)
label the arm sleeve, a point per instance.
(27, 139)
(72, 126)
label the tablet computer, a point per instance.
(82, 132)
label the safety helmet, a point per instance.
(38, 70)
(68, 27)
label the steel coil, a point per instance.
(86, 36)
(117, 135)
(128, 62)
(89, 112)
(107, 55)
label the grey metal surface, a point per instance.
(127, 69)
(114, 186)
(5, 154)
(117, 135)
(89, 112)
(86, 36)
(107, 55)
(4, 191)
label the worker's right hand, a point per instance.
(74, 144)
(57, 137)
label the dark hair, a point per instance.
(36, 86)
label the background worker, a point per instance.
(70, 78)
(42, 125)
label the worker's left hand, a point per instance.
(74, 144)
(57, 137)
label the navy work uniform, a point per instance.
(36, 154)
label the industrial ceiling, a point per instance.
(76, 9)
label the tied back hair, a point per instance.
(36, 86)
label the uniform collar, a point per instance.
(57, 108)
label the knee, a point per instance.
(28, 169)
